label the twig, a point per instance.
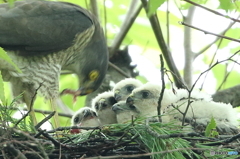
(212, 67)
(126, 25)
(28, 136)
(211, 62)
(44, 120)
(162, 90)
(31, 105)
(120, 139)
(232, 138)
(40, 132)
(167, 24)
(94, 8)
(171, 83)
(122, 143)
(210, 10)
(15, 152)
(148, 154)
(72, 127)
(188, 105)
(118, 69)
(189, 102)
(223, 142)
(42, 112)
(55, 142)
(207, 32)
(209, 45)
(179, 7)
(227, 73)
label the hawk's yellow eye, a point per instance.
(93, 75)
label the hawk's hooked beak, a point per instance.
(84, 91)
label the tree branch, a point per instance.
(212, 11)
(94, 8)
(207, 32)
(162, 90)
(217, 38)
(167, 24)
(162, 44)
(188, 67)
(215, 64)
(131, 15)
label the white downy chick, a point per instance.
(124, 88)
(84, 117)
(102, 104)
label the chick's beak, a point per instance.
(116, 107)
(102, 103)
(130, 100)
(86, 113)
(117, 95)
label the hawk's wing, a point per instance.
(41, 27)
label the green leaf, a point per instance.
(4, 56)
(231, 80)
(186, 5)
(219, 74)
(235, 50)
(233, 33)
(2, 92)
(214, 134)
(153, 5)
(11, 3)
(211, 125)
(226, 5)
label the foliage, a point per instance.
(229, 5)
(5, 57)
(7, 119)
(210, 132)
(2, 94)
(158, 145)
(153, 6)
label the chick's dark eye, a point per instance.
(112, 100)
(130, 88)
(145, 94)
(132, 107)
(96, 106)
(76, 120)
(104, 104)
